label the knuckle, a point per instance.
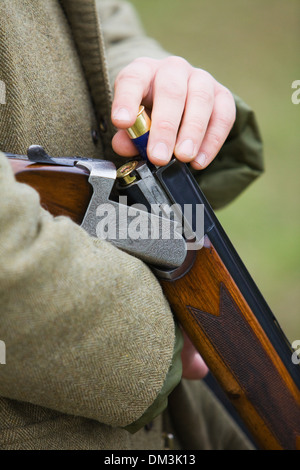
(204, 76)
(204, 95)
(225, 120)
(135, 71)
(196, 126)
(172, 78)
(173, 90)
(230, 103)
(146, 64)
(215, 140)
(128, 74)
(202, 87)
(143, 60)
(176, 61)
(167, 126)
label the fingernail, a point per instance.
(160, 152)
(186, 149)
(122, 115)
(201, 159)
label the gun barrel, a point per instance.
(230, 323)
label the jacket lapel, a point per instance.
(86, 28)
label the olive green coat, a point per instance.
(91, 345)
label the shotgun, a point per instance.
(207, 285)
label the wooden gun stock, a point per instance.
(63, 190)
(211, 309)
(256, 373)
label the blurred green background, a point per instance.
(253, 48)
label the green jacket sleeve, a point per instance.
(172, 380)
(87, 329)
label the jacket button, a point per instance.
(168, 441)
(95, 136)
(149, 426)
(103, 126)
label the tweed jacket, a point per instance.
(90, 352)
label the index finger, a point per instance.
(132, 85)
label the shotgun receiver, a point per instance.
(207, 285)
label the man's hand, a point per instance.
(193, 366)
(191, 112)
(191, 115)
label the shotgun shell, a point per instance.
(139, 132)
(124, 173)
